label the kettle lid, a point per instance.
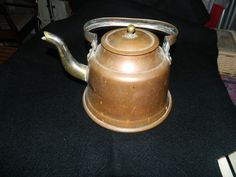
(130, 41)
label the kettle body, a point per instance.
(127, 73)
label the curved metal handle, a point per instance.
(168, 28)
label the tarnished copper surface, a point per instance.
(127, 92)
(127, 74)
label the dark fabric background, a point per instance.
(188, 10)
(45, 132)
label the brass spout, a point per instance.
(71, 65)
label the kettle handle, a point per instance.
(156, 25)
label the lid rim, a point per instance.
(130, 54)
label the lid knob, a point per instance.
(131, 29)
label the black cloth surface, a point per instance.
(44, 130)
(189, 10)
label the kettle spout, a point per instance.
(71, 65)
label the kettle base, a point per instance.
(160, 118)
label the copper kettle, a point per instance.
(127, 74)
